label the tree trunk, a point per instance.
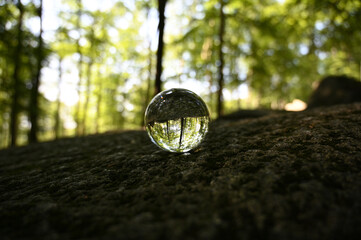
(87, 96)
(150, 66)
(58, 104)
(16, 78)
(4, 81)
(221, 61)
(80, 63)
(238, 99)
(34, 98)
(158, 82)
(99, 101)
(210, 95)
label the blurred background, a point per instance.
(77, 67)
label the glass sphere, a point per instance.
(177, 120)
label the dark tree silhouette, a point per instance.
(161, 10)
(87, 94)
(34, 97)
(80, 63)
(57, 128)
(150, 67)
(221, 59)
(99, 102)
(16, 77)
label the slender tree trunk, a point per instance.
(87, 96)
(161, 10)
(238, 99)
(182, 131)
(99, 102)
(118, 117)
(147, 90)
(4, 135)
(58, 103)
(210, 81)
(80, 72)
(221, 61)
(34, 98)
(150, 66)
(16, 78)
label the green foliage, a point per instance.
(278, 49)
(27, 60)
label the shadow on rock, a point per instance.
(334, 90)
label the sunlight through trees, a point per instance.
(96, 65)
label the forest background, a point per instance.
(73, 67)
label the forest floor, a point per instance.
(277, 176)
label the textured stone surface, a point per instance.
(280, 176)
(334, 90)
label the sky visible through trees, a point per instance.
(93, 66)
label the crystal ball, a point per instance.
(177, 120)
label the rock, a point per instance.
(280, 176)
(245, 114)
(334, 90)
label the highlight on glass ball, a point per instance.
(177, 120)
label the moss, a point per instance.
(275, 175)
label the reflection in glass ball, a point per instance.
(177, 120)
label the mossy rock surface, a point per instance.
(279, 176)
